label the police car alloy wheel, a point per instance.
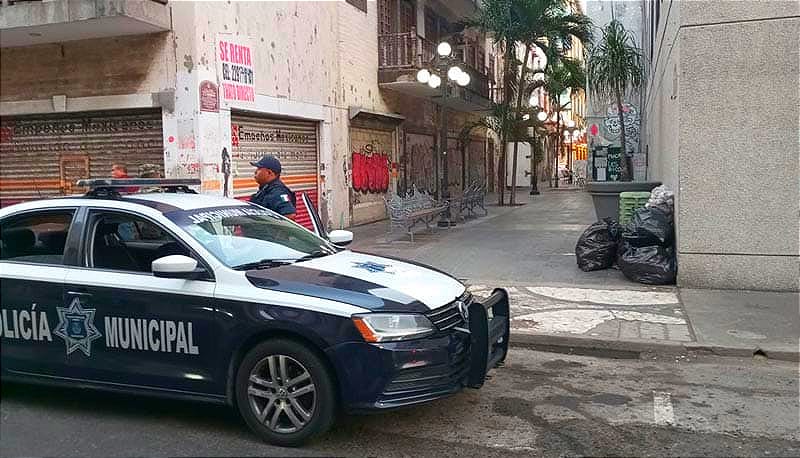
(282, 393)
(285, 393)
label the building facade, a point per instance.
(205, 87)
(721, 128)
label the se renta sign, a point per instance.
(235, 66)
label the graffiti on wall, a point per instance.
(612, 128)
(454, 163)
(418, 164)
(370, 169)
(371, 155)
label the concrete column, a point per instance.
(421, 18)
(194, 139)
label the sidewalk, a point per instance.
(529, 250)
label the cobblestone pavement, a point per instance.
(600, 313)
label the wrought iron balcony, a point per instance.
(401, 55)
(26, 23)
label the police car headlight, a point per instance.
(388, 327)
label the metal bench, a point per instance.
(474, 197)
(415, 207)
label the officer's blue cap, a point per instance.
(268, 162)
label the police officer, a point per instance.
(272, 193)
(150, 171)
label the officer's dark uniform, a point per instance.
(275, 195)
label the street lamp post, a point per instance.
(556, 123)
(541, 116)
(569, 137)
(539, 64)
(444, 69)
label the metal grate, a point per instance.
(449, 316)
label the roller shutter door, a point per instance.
(294, 142)
(43, 155)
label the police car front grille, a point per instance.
(449, 316)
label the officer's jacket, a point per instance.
(276, 197)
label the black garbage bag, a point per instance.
(597, 246)
(648, 227)
(652, 265)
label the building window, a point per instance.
(360, 4)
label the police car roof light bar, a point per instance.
(109, 187)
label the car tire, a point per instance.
(266, 382)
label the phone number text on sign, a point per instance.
(236, 72)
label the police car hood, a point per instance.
(371, 282)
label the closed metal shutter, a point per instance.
(43, 155)
(293, 142)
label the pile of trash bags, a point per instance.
(644, 249)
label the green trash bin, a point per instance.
(629, 202)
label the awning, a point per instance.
(363, 113)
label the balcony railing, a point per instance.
(410, 52)
(403, 51)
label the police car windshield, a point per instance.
(250, 237)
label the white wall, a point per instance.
(523, 164)
(314, 61)
(728, 149)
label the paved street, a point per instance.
(530, 251)
(532, 244)
(538, 404)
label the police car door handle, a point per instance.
(78, 293)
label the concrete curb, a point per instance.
(633, 349)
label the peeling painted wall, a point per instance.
(294, 43)
(103, 66)
(297, 58)
(312, 60)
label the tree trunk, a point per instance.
(501, 167)
(516, 113)
(548, 160)
(557, 146)
(534, 163)
(464, 165)
(514, 173)
(624, 170)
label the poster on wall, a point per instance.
(612, 129)
(235, 70)
(614, 163)
(209, 97)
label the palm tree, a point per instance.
(616, 67)
(563, 75)
(526, 23)
(496, 17)
(548, 25)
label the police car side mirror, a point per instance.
(340, 237)
(178, 266)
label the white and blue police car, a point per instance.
(198, 297)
